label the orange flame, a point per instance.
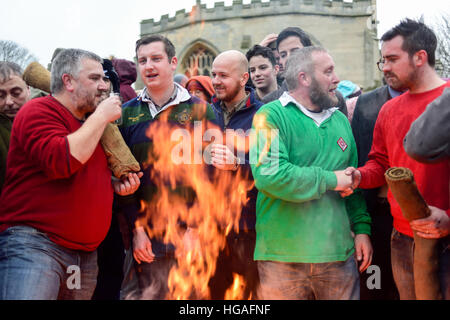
(209, 203)
(236, 291)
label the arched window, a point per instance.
(198, 61)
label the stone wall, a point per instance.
(345, 29)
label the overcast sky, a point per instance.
(111, 27)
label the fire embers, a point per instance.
(195, 205)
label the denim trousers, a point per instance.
(309, 281)
(32, 267)
(402, 257)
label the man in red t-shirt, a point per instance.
(56, 203)
(408, 62)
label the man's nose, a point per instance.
(102, 85)
(9, 100)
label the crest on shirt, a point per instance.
(184, 117)
(342, 144)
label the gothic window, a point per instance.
(198, 62)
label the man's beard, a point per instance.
(86, 101)
(230, 94)
(401, 85)
(321, 98)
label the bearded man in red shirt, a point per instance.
(408, 59)
(56, 203)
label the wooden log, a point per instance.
(426, 258)
(120, 159)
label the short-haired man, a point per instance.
(56, 204)
(263, 70)
(305, 245)
(234, 107)
(289, 40)
(14, 93)
(161, 96)
(408, 53)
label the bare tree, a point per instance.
(13, 52)
(441, 27)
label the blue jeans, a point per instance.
(309, 281)
(32, 267)
(402, 257)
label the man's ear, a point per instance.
(276, 68)
(174, 63)
(303, 79)
(244, 79)
(420, 58)
(68, 82)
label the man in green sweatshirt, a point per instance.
(310, 240)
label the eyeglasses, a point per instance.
(380, 64)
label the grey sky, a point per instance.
(111, 27)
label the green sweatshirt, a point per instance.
(299, 216)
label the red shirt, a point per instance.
(393, 122)
(48, 189)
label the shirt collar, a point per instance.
(317, 117)
(179, 95)
(394, 93)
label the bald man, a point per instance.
(234, 106)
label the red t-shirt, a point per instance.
(48, 189)
(393, 122)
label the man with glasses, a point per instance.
(365, 115)
(408, 52)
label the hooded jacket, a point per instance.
(127, 76)
(205, 82)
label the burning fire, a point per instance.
(208, 201)
(235, 292)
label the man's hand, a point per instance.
(356, 179)
(109, 109)
(344, 181)
(363, 251)
(356, 176)
(271, 37)
(191, 244)
(222, 157)
(142, 247)
(436, 226)
(127, 185)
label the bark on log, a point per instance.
(426, 257)
(120, 159)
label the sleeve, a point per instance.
(275, 176)
(428, 139)
(359, 217)
(372, 173)
(43, 137)
(130, 205)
